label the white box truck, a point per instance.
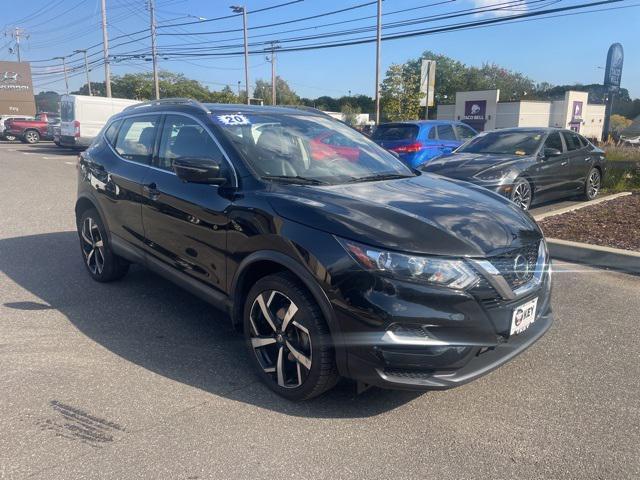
(82, 117)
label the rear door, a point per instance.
(447, 140)
(580, 160)
(117, 170)
(186, 224)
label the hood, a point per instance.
(424, 214)
(466, 165)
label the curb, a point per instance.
(613, 258)
(572, 208)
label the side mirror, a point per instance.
(551, 152)
(198, 170)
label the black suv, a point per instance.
(332, 256)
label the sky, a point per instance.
(563, 50)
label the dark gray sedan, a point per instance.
(527, 165)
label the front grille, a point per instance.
(505, 264)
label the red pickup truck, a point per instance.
(31, 131)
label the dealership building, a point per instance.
(483, 110)
(16, 89)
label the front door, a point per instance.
(186, 224)
(551, 174)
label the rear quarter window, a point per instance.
(112, 131)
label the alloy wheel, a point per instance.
(522, 195)
(31, 137)
(92, 246)
(593, 186)
(281, 344)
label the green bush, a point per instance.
(616, 153)
(621, 179)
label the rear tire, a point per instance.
(288, 338)
(592, 184)
(102, 264)
(31, 137)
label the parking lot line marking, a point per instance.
(70, 163)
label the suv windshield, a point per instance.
(302, 148)
(505, 143)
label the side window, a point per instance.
(445, 132)
(583, 141)
(432, 134)
(136, 138)
(464, 133)
(553, 141)
(112, 131)
(184, 137)
(572, 141)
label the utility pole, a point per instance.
(105, 50)
(154, 50)
(86, 68)
(378, 42)
(64, 69)
(17, 34)
(243, 10)
(272, 59)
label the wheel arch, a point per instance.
(263, 263)
(84, 203)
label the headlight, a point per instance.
(493, 174)
(454, 274)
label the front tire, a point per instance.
(102, 264)
(288, 338)
(592, 184)
(31, 137)
(521, 193)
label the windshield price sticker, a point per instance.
(235, 119)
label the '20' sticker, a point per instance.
(235, 119)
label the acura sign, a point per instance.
(16, 89)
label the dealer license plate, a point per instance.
(523, 316)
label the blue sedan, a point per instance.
(417, 142)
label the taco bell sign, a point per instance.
(475, 110)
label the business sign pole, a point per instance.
(612, 77)
(427, 85)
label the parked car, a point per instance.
(53, 131)
(528, 165)
(31, 130)
(420, 141)
(83, 117)
(364, 269)
(7, 136)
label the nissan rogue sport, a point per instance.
(331, 265)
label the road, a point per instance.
(139, 379)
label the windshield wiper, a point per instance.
(379, 176)
(295, 179)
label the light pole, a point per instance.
(378, 41)
(64, 69)
(243, 10)
(86, 67)
(272, 59)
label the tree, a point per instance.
(399, 93)
(619, 123)
(350, 113)
(47, 102)
(284, 94)
(139, 86)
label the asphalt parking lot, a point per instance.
(139, 379)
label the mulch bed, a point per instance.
(615, 224)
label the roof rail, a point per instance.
(169, 101)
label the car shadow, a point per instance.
(147, 320)
(47, 149)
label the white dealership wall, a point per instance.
(529, 113)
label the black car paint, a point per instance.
(215, 240)
(550, 177)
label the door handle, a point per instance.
(588, 159)
(562, 164)
(151, 190)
